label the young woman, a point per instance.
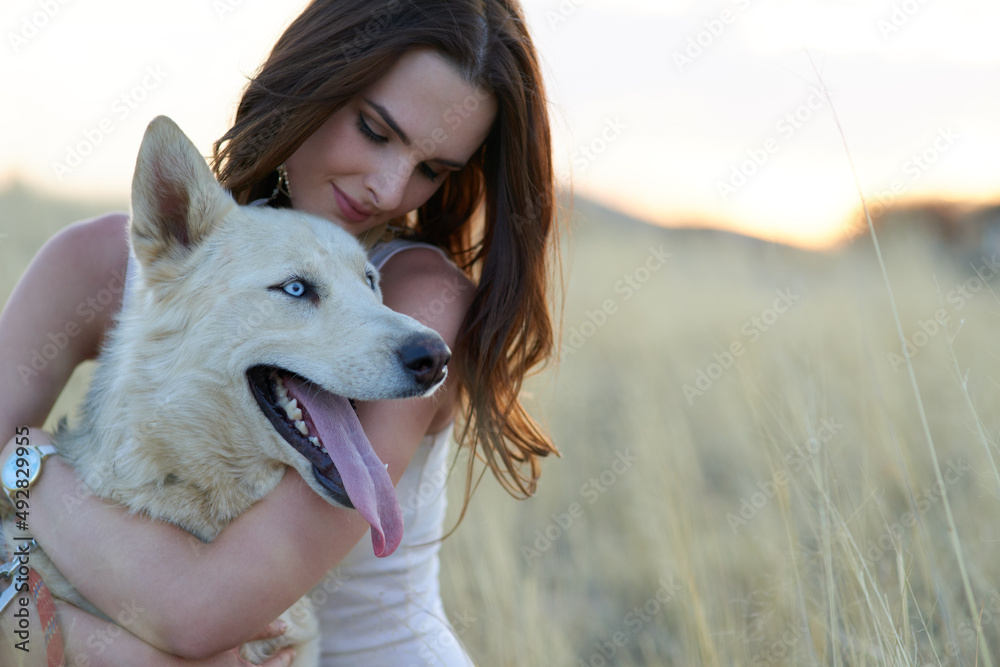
(422, 128)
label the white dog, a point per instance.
(242, 342)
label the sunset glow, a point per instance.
(676, 112)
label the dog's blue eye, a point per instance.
(295, 288)
(298, 288)
(370, 277)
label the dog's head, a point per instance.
(273, 318)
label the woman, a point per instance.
(416, 121)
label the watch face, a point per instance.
(29, 464)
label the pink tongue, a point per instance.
(365, 478)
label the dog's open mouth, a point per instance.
(324, 429)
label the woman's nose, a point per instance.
(387, 185)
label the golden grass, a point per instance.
(789, 514)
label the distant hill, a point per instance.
(26, 211)
(595, 234)
(29, 217)
(587, 212)
(30, 214)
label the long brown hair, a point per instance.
(496, 217)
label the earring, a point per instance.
(282, 187)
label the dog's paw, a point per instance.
(259, 650)
(302, 633)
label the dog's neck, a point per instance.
(159, 448)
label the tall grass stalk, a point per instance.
(952, 527)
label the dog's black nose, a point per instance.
(425, 357)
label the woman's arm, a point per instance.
(89, 640)
(161, 579)
(57, 316)
(282, 546)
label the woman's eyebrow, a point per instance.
(394, 126)
(447, 163)
(390, 121)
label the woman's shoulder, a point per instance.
(102, 240)
(79, 274)
(420, 281)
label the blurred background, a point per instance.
(751, 473)
(678, 113)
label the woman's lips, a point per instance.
(351, 209)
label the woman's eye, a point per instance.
(428, 172)
(295, 288)
(369, 133)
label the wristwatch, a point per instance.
(9, 475)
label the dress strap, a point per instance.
(382, 252)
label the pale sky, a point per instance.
(675, 111)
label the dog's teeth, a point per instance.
(303, 429)
(314, 440)
(292, 410)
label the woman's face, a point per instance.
(386, 151)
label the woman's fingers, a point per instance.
(275, 629)
(282, 658)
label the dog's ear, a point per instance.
(175, 198)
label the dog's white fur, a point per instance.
(169, 427)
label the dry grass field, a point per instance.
(746, 477)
